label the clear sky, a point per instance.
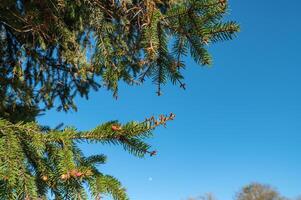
(238, 121)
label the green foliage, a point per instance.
(53, 50)
(44, 45)
(36, 160)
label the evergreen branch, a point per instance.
(44, 51)
(55, 159)
(193, 7)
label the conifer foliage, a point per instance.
(53, 50)
(35, 160)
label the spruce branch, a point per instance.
(38, 160)
(52, 51)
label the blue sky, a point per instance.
(237, 122)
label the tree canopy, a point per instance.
(56, 49)
(252, 191)
(256, 191)
(53, 50)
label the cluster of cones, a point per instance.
(74, 173)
